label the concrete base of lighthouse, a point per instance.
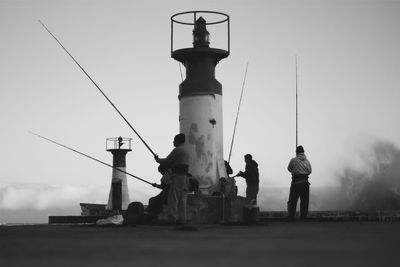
(215, 209)
(202, 209)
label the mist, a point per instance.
(373, 185)
(43, 196)
(369, 182)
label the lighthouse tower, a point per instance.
(200, 103)
(119, 197)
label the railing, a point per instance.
(217, 20)
(118, 143)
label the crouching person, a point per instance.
(157, 202)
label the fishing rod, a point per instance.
(92, 158)
(237, 113)
(101, 91)
(297, 113)
(180, 70)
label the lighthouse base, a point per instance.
(203, 209)
(215, 209)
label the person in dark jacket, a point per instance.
(300, 168)
(252, 178)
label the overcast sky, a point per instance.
(348, 75)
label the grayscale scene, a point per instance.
(199, 133)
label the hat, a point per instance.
(299, 149)
(180, 138)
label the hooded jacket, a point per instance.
(300, 168)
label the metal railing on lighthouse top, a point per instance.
(217, 23)
(114, 143)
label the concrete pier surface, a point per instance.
(319, 244)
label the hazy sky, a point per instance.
(349, 88)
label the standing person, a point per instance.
(178, 162)
(252, 178)
(300, 168)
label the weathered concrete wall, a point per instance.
(201, 121)
(215, 209)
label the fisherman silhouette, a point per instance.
(157, 202)
(252, 178)
(177, 161)
(300, 168)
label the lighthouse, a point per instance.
(200, 102)
(118, 197)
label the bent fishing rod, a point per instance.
(180, 70)
(95, 84)
(237, 113)
(297, 113)
(92, 158)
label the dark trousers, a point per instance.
(251, 192)
(156, 203)
(301, 190)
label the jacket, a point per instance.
(251, 173)
(177, 160)
(300, 168)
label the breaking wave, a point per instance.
(376, 186)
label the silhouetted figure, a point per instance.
(228, 185)
(252, 178)
(178, 162)
(228, 168)
(157, 202)
(300, 168)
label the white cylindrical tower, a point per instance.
(119, 196)
(200, 109)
